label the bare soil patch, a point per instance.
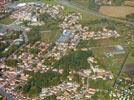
(116, 11)
(129, 68)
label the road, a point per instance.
(81, 8)
(122, 68)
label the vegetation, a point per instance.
(87, 43)
(53, 97)
(101, 96)
(75, 60)
(6, 20)
(11, 35)
(46, 1)
(51, 30)
(0, 97)
(118, 2)
(39, 80)
(34, 51)
(3, 46)
(97, 25)
(11, 62)
(132, 53)
(100, 84)
(130, 17)
(9, 51)
(34, 34)
(93, 5)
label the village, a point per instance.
(23, 57)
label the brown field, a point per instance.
(116, 11)
(129, 3)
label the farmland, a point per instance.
(116, 11)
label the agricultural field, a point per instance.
(117, 8)
(116, 11)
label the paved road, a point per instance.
(79, 7)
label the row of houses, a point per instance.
(104, 34)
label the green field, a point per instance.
(51, 36)
(50, 31)
(7, 20)
(84, 3)
(112, 63)
(45, 1)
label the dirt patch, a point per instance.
(116, 11)
(129, 68)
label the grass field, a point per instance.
(7, 20)
(82, 2)
(116, 11)
(86, 18)
(112, 63)
(50, 31)
(130, 60)
(46, 1)
(51, 36)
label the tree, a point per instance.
(130, 17)
(34, 34)
(93, 5)
(39, 80)
(11, 62)
(53, 97)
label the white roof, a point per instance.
(21, 4)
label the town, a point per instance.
(52, 50)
